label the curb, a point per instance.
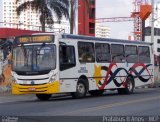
(5, 93)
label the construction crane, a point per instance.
(114, 19)
(141, 12)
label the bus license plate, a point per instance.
(32, 89)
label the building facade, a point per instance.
(10, 19)
(156, 46)
(28, 20)
(102, 31)
(156, 39)
(86, 17)
(157, 15)
(7, 13)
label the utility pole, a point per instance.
(152, 24)
(152, 38)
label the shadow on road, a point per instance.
(68, 97)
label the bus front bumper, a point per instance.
(49, 88)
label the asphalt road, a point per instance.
(144, 102)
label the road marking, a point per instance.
(112, 105)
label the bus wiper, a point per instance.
(35, 67)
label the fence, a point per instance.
(32, 27)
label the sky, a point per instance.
(116, 8)
(119, 8)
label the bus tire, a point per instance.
(129, 87)
(81, 90)
(96, 92)
(43, 97)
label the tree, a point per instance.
(73, 8)
(45, 8)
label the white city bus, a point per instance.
(46, 64)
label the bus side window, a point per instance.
(131, 54)
(66, 57)
(86, 52)
(118, 55)
(103, 52)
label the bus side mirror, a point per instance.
(123, 61)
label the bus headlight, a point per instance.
(53, 78)
(13, 80)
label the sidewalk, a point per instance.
(156, 85)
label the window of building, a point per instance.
(144, 54)
(86, 52)
(118, 55)
(158, 49)
(131, 54)
(102, 52)
(92, 2)
(158, 41)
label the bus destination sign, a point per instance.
(35, 39)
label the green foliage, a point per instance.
(46, 9)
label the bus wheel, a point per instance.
(96, 92)
(43, 97)
(129, 88)
(81, 90)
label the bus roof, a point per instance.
(103, 39)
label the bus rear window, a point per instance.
(144, 54)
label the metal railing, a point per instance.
(36, 27)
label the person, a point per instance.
(9, 57)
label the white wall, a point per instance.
(156, 68)
(1, 12)
(157, 16)
(156, 45)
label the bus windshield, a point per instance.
(34, 58)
